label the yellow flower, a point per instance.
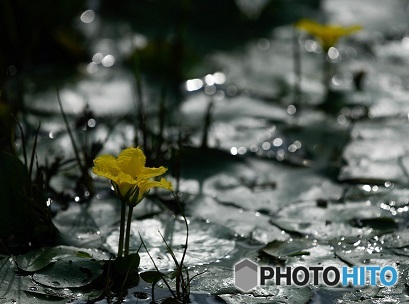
(327, 34)
(129, 176)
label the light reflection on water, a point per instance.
(88, 16)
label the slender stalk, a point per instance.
(23, 141)
(297, 67)
(74, 146)
(162, 119)
(207, 122)
(156, 267)
(122, 230)
(326, 73)
(30, 170)
(85, 175)
(128, 230)
(139, 103)
(186, 242)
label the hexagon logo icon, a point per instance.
(246, 275)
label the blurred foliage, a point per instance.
(39, 32)
(25, 221)
(182, 33)
(206, 25)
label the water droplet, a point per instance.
(108, 61)
(263, 44)
(209, 79)
(291, 109)
(277, 142)
(210, 89)
(88, 16)
(194, 84)
(92, 123)
(97, 58)
(92, 68)
(219, 78)
(33, 288)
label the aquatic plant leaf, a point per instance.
(379, 223)
(171, 301)
(87, 226)
(69, 272)
(273, 295)
(127, 264)
(363, 251)
(393, 294)
(151, 276)
(398, 239)
(216, 279)
(336, 220)
(207, 241)
(12, 287)
(63, 293)
(219, 281)
(280, 249)
(38, 259)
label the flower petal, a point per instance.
(106, 166)
(124, 190)
(131, 161)
(327, 34)
(147, 172)
(146, 185)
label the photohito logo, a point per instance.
(248, 275)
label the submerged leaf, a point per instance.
(69, 272)
(63, 293)
(279, 249)
(379, 223)
(38, 259)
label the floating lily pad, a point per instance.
(245, 223)
(379, 223)
(336, 220)
(207, 241)
(12, 287)
(69, 273)
(398, 239)
(273, 295)
(63, 293)
(280, 249)
(38, 259)
(367, 294)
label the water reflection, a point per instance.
(311, 46)
(88, 16)
(333, 53)
(263, 44)
(108, 61)
(97, 58)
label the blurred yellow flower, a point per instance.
(129, 176)
(327, 34)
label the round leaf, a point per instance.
(69, 272)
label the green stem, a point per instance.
(297, 67)
(128, 230)
(326, 73)
(207, 122)
(181, 266)
(122, 230)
